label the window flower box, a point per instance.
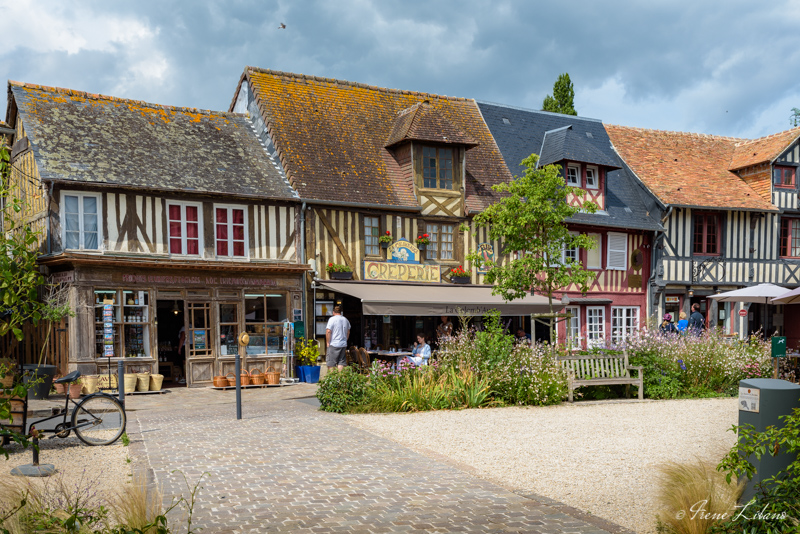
(339, 272)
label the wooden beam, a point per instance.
(335, 237)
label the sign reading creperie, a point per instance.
(200, 280)
(401, 272)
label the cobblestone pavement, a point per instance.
(287, 467)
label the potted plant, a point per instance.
(423, 241)
(339, 272)
(307, 356)
(459, 275)
(385, 239)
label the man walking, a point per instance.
(337, 332)
(696, 320)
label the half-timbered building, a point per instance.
(172, 229)
(623, 228)
(730, 213)
(370, 162)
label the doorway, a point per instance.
(171, 342)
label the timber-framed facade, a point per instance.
(171, 229)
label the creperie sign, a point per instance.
(196, 280)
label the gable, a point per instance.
(331, 138)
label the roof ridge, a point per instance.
(770, 136)
(98, 96)
(672, 132)
(520, 108)
(354, 84)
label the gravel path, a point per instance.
(598, 457)
(97, 471)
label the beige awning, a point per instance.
(382, 298)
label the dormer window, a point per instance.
(437, 167)
(592, 181)
(574, 175)
(784, 176)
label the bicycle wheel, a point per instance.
(98, 420)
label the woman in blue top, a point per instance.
(421, 353)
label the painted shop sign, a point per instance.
(400, 272)
(203, 280)
(486, 251)
(402, 251)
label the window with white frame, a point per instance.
(230, 223)
(570, 253)
(592, 181)
(81, 223)
(624, 322)
(372, 232)
(574, 175)
(441, 241)
(574, 326)
(595, 325)
(617, 259)
(184, 228)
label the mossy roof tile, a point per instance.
(84, 137)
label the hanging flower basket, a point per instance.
(423, 241)
(386, 239)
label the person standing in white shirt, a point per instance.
(337, 332)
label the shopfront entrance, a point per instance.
(171, 337)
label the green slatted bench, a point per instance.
(600, 370)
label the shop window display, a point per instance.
(126, 328)
(264, 319)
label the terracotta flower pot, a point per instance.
(75, 390)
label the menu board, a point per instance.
(108, 330)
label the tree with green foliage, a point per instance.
(20, 284)
(794, 118)
(563, 97)
(529, 220)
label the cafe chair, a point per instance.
(364, 359)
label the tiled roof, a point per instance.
(763, 149)
(520, 132)
(84, 137)
(421, 122)
(331, 136)
(567, 144)
(686, 169)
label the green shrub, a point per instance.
(341, 391)
(777, 497)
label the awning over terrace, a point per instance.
(390, 298)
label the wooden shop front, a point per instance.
(153, 317)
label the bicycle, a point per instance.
(98, 419)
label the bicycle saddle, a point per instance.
(72, 377)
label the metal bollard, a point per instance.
(121, 382)
(35, 448)
(238, 372)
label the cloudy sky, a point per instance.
(726, 68)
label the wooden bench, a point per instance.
(600, 370)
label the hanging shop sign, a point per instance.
(399, 272)
(402, 251)
(486, 251)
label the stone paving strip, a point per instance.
(287, 467)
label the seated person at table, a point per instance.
(421, 353)
(522, 336)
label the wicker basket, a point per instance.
(89, 384)
(245, 378)
(257, 377)
(8, 380)
(220, 382)
(231, 378)
(102, 381)
(155, 382)
(142, 381)
(130, 382)
(273, 376)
